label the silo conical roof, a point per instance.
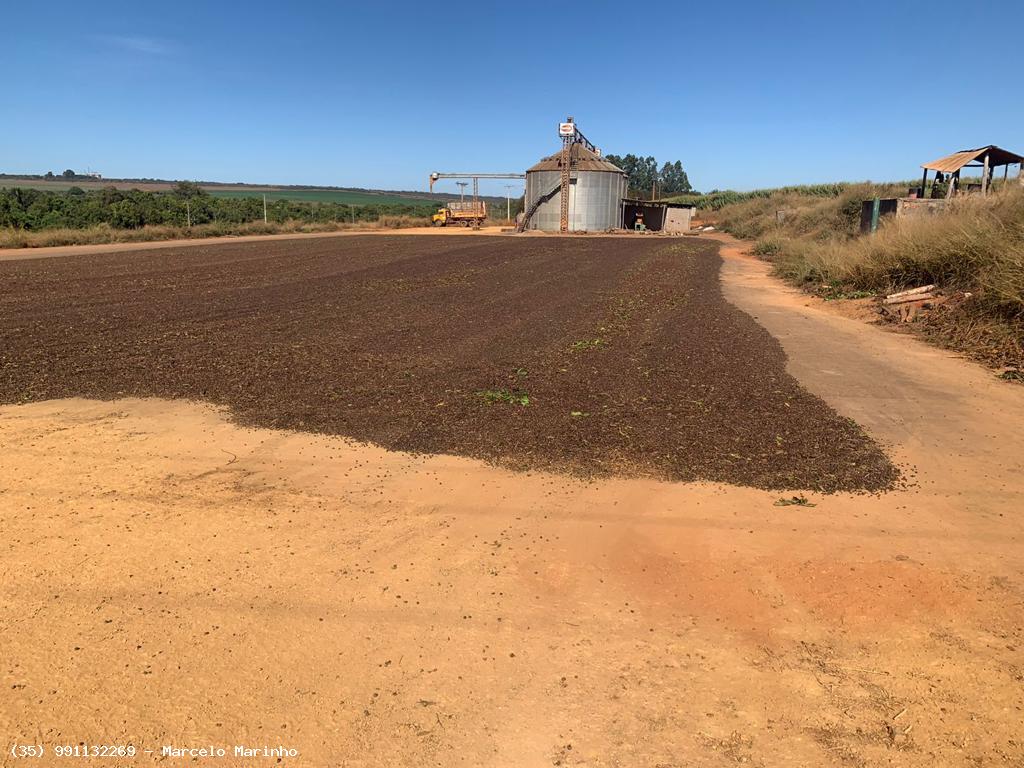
(582, 160)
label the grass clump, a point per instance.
(510, 396)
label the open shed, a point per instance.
(657, 215)
(947, 169)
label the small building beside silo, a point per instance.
(596, 191)
(657, 216)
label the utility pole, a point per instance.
(264, 209)
(188, 213)
(462, 193)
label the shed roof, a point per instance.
(656, 203)
(582, 160)
(956, 161)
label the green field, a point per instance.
(307, 195)
(343, 196)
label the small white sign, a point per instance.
(567, 129)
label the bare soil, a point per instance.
(168, 576)
(589, 356)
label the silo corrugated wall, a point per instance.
(595, 196)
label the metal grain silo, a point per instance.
(595, 192)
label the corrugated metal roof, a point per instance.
(656, 203)
(956, 161)
(582, 160)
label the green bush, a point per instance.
(40, 210)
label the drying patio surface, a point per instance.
(593, 356)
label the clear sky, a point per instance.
(746, 94)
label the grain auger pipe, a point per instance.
(475, 177)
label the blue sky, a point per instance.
(746, 94)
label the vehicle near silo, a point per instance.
(467, 213)
(596, 190)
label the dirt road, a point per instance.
(172, 578)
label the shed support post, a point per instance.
(984, 175)
(924, 183)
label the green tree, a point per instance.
(126, 214)
(189, 189)
(673, 179)
(33, 209)
(69, 174)
(644, 178)
(635, 171)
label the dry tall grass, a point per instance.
(810, 216)
(19, 238)
(976, 247)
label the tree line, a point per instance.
(646, 180)
(34, 209)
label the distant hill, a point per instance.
(308, 194)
